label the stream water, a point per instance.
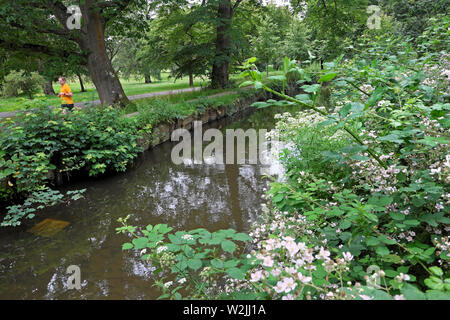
(154, 191)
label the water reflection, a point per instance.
(155, 191)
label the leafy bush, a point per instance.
(183, 254)
(374, 223)
(35, 143)
(20, 82)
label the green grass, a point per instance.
(153, 112)
(130, 86)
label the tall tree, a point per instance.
(44, 25)
(222, 59)
(332, 21)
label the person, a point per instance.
(65, 94)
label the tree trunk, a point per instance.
(191, 80)
(48, 88)
(81, 83)
(220, 71)
(148, 78)
(105, 79)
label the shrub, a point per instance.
(35, 143)
(21, 82)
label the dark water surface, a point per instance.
(153, 191)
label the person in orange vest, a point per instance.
(65, 94)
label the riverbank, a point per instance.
(153, 190)
(151, 127)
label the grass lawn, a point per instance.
(130, 86)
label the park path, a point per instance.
(135, 97)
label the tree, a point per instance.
(332, 21)
(223, 44)
(297, 42)
(44, 26)
(266, 42)
(414, 14)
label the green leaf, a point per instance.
(376, 96)
(392, 258)
(140, 243)
(437, 271)
(397, 216)
(382, 251)
(231, 263)
(314, 88)
(245, 84)
(412, 222)
(328, 77)
(228, 246)
(216, 263)
(278, 78)
(258, 85)
(385, 240)
(235, 273)
(304, 98)
(242, 237)
(394, 138)
(372, 241)
(261, 104)
(434, 283)
(437, 295)
(381, 201)
(127, 246)
(345, 224)
(194, 264)
(410, 292)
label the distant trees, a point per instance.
(41, 26)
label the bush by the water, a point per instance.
(34, 144)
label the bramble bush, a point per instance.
(363, 209)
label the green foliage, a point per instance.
(389, 215)
(36, 143)
(195, 260)
(36, 201)
(18, 82)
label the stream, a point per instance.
(153, 191)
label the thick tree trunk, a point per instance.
(220, 70)
(81, 83)
(148, 78)
(48, 88)
(105, 79)
(191, 80)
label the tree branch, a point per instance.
(60, 32)
(36, 48)
(119, 6)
